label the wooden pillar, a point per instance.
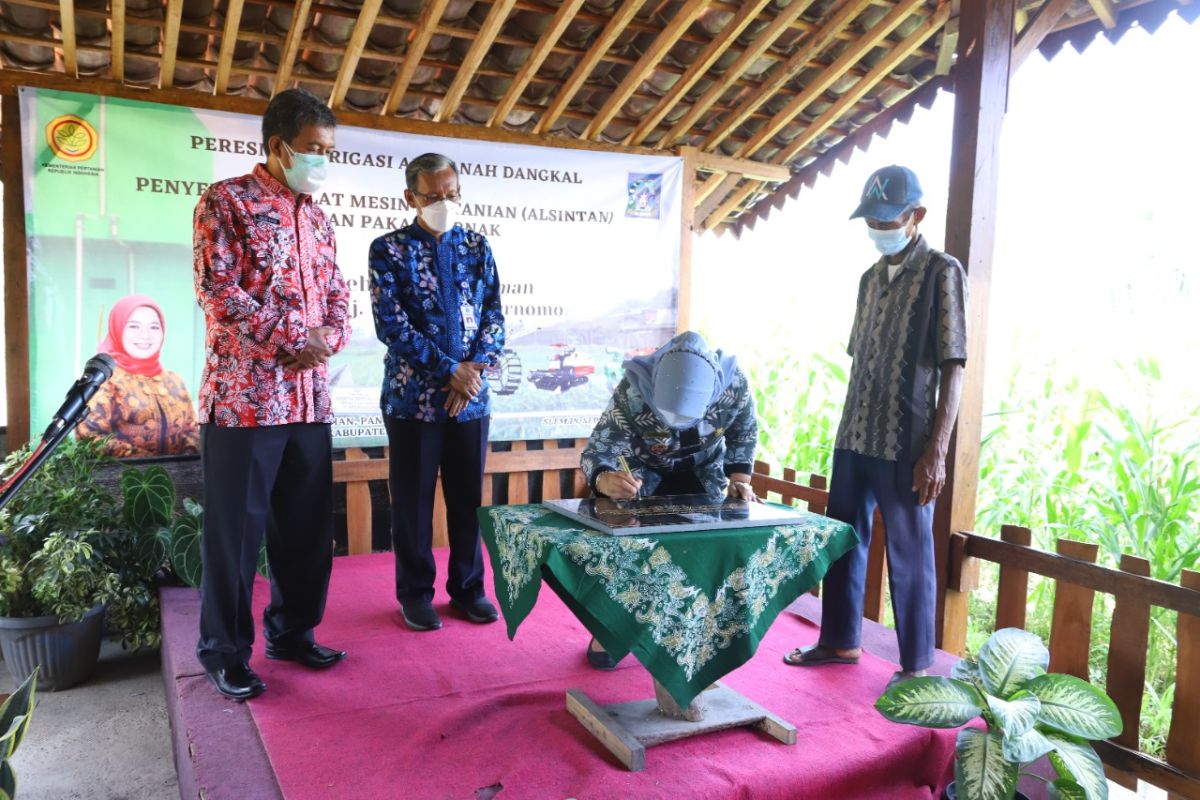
(980, 98)
(687, 203)
(16, 275)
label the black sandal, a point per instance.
(816, 656)
(600, 659)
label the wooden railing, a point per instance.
(816, 497)
(1077, 578)
(507, 475)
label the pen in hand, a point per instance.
(622, 485)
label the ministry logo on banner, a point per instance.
(645, 194)
(71, 138)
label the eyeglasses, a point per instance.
(453, 197)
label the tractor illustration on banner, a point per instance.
(505, 378)
(568, 368)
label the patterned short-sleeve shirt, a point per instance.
(904, 331)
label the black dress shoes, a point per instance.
(479, 610)
(308, 654)
(237, 682)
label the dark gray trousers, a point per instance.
(275, 481)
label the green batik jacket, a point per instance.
(721, 444)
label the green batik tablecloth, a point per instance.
(691, 607)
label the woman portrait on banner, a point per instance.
(144, 409)
(681, 421)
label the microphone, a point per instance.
(96, 371)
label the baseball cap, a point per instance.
(888, 192)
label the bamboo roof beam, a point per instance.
(751, 54)
(233, 16)
(895, 56)
(948, 45)
(423, 33)
(731, 204)
(118, 40)
(704, 188)
(768, 173)
(166, 75)
(699, 67)
(291, 46)
(354, 49)
(674, 29)
(66, 16)
(320, 80)
(1106, 12)
(1037, 29)
(564, 16)
(623, 16)
(715, 190)
(483, 42)
(777, 78)
(856, 138)
(854, 53)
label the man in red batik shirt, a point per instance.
(275, 308)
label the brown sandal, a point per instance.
(816, 656)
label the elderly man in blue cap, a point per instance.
(908, 345)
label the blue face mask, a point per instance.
(307, 173)
(677, 422)
(891, 241)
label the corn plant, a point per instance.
(1028, 714)
(798, 402)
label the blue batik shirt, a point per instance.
(435, 303)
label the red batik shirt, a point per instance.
(265, 265)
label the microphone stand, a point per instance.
(47, 446)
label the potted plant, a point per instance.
(54, 579)
(136, 550)
(15, 714)
(1028, 714)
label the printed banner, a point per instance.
(586, 243)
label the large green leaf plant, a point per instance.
(15, 714)
(1029, 714)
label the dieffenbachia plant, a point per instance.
(1029, 714)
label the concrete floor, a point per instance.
(105, 739)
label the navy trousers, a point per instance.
(275, 481)
(860, 483)
(418, 451)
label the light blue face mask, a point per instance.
(676, 421)
(891, 241)
(307, 173)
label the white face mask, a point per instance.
(440, 216)
(891, 241)
(677, 422)
(307, 173)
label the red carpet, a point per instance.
(463, 712)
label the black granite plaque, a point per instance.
(675, 514)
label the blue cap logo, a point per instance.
(878, 190)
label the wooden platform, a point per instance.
(627, 729)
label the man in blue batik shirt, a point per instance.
(435, 295)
